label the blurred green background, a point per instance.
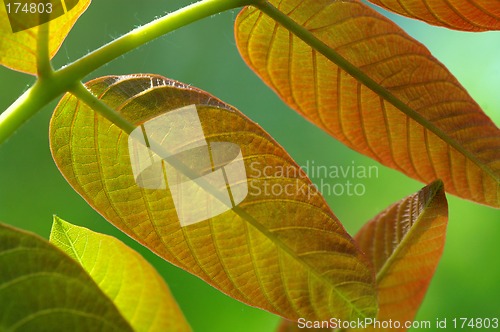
(467, 282)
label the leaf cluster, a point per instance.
(342, 66)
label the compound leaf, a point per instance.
(466, 15)
(374, 88)
(21, 29)
(134, 286)
(42, 289)
(281, 248)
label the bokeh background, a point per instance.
(467, 282)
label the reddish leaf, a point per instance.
(468, 15)
(419, 121)
(405, 243)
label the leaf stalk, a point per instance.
(51, 84)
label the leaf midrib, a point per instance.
(286, 249)
(409, 236)
(70, 242)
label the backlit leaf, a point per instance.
(134, 286)
(419, 121)
(280, 249)
(18, 50)
(468, 15)
(42, 289)
(405, 243)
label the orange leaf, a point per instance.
(405, 243)
(467, 15)
(377, 90)
(280, 249)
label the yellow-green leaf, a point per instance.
(280, 248)
(134, 286)
(377, 90)
(467, 15)
(42, 289)
(405, 243)
(19, 50)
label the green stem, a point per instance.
(147, 33)
(52, 84)
(44, 66)
(24, 108)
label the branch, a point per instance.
(52, 84)
(147, 33)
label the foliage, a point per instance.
(341, 65)
(134, 286)
(43, 287)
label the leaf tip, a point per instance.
(435, 194)
(58, 226)
(437, 186)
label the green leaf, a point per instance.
(134, 286)
(405, 243)
(362, 79)
(42, 289)
(280, 250)
(19, 50)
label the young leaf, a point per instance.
(280, 249)
(405, 243)
(42, 289)
(134, 286)
(367, 83)
(19, 43)
(467, 15)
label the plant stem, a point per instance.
(51, 84)
(44, 66)
(24, 108)
(147, 33)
